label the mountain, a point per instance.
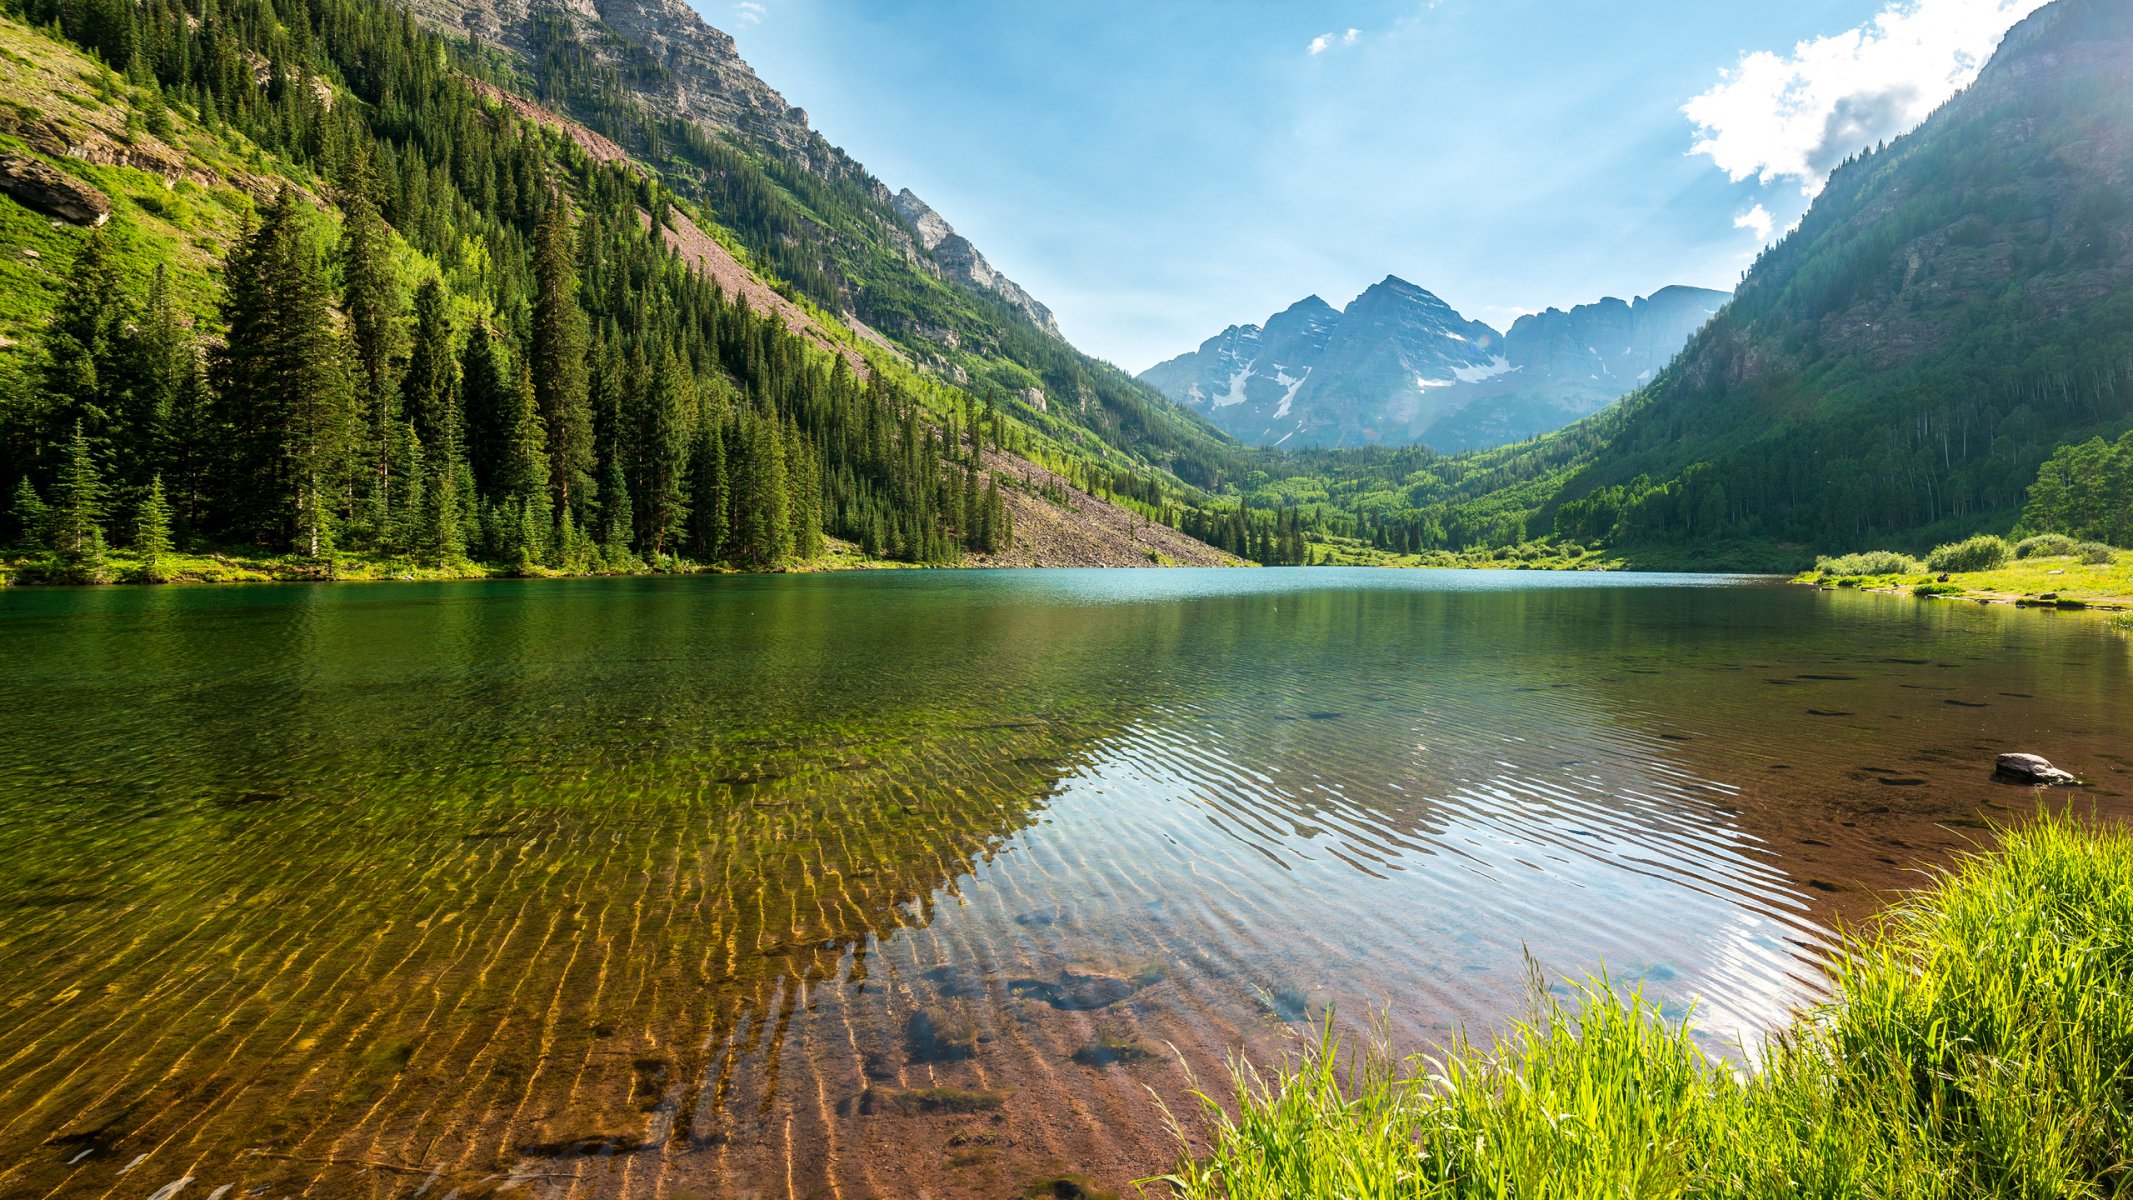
(579, 293)
(1954, 307)
(1400, 366)
(675, 95)
(961, 262)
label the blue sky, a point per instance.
(1158, 170)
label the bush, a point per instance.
(2045, 545)
(1871, 562)
(1985, 552)
(2096, 554)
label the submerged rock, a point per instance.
(2031, 768)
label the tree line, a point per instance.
(489, 353)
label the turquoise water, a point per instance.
(918, 883)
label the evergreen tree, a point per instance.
(559, 347)
(80, 373)
(78, 504)
(370, 297)
(32, 517)
(708, 494)
(428, 391)
(663, 457)
(151, 538)
(281, 384)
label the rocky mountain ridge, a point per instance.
(682, 67)
(1399, 365)
(961, 262)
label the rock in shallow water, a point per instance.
(2031, 768)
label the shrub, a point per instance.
(1871, 562)
(1985, 552)
(2096, 554)
(2045, 545)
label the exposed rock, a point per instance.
(960, 262)
(52, 191)
(2031, 768)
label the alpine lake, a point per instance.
(925, 884)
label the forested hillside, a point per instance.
(294, 277)
(1956, 305)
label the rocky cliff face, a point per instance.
(960, 262)
(682, 67)
(1399, 365)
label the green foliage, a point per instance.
(151, 539)
(2045, 545)
(2096, 554)
(32, 518)
(2085, 491)
(1868, 563)
(1985, 552)
(1976, 1048)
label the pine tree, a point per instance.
(80, 373)
(616, 527)
(370, 297)
(708, 501)
(559, 345)
(151, 538)
(663, 457)
(281, 385)
(78, 504)
(428, 387)
(32, 517)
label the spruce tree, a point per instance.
(32, 517)
(427, 387)
(79, 371)
(371, 299)
(281, 384)
(151, 538)
(663, 457)
(708, 501)
(558, 352)
(78, 503)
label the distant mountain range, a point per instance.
(1400, 366)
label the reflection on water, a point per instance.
(915, 884)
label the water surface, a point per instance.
(915, 884)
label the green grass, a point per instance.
(2041, 577)
(1980, 1044)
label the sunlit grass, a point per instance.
(1980, 1044)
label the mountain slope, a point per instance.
(674, 93)
(1400, 366)
(1952, 308)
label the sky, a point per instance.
(1158, 170)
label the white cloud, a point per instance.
(749, 12)
(1775, 117)
(1758, 221)
(1326, 41)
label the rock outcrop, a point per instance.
(49, 190)
(960, 262)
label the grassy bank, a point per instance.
(2035, 572)
(126, 567)
(1981, 1044)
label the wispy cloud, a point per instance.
(1327, 41)
(1777, 117)
(749, 13)
(1757, 221)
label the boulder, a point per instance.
(2032, 769)
(49, 190)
